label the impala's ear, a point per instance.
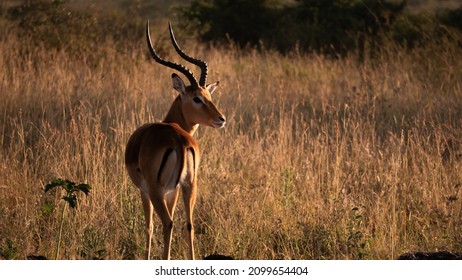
(212, 87)
(178, 84)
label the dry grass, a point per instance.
(321, 159)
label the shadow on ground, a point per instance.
(443, 255)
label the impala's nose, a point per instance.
(220, 123)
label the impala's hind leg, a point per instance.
(189, 196)
(165, 199)
(164, 207)
(148, 211)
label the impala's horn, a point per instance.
(185, 71)
(202, 64)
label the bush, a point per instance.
(452, 18)
(50, 24)
(244, 21)
(411, 31)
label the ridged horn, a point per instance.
(202, 64)
(185, 71)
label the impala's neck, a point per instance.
(175, 115)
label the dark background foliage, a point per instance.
(333, 27)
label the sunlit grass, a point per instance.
(320, 159)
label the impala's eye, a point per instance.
(197, 100)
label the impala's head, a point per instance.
(196, 98)
(197, 104)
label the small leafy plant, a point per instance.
(70, 197)
(356, 238)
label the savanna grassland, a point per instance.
(321, 158)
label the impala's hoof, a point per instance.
(36, 257)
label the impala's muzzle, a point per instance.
(220, 123)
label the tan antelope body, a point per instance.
(162, 158)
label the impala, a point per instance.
(162, 158)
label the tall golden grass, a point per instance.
(320, 159)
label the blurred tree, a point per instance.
(52, 24)
(243, 21)
(452, 18)
(328, 26)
